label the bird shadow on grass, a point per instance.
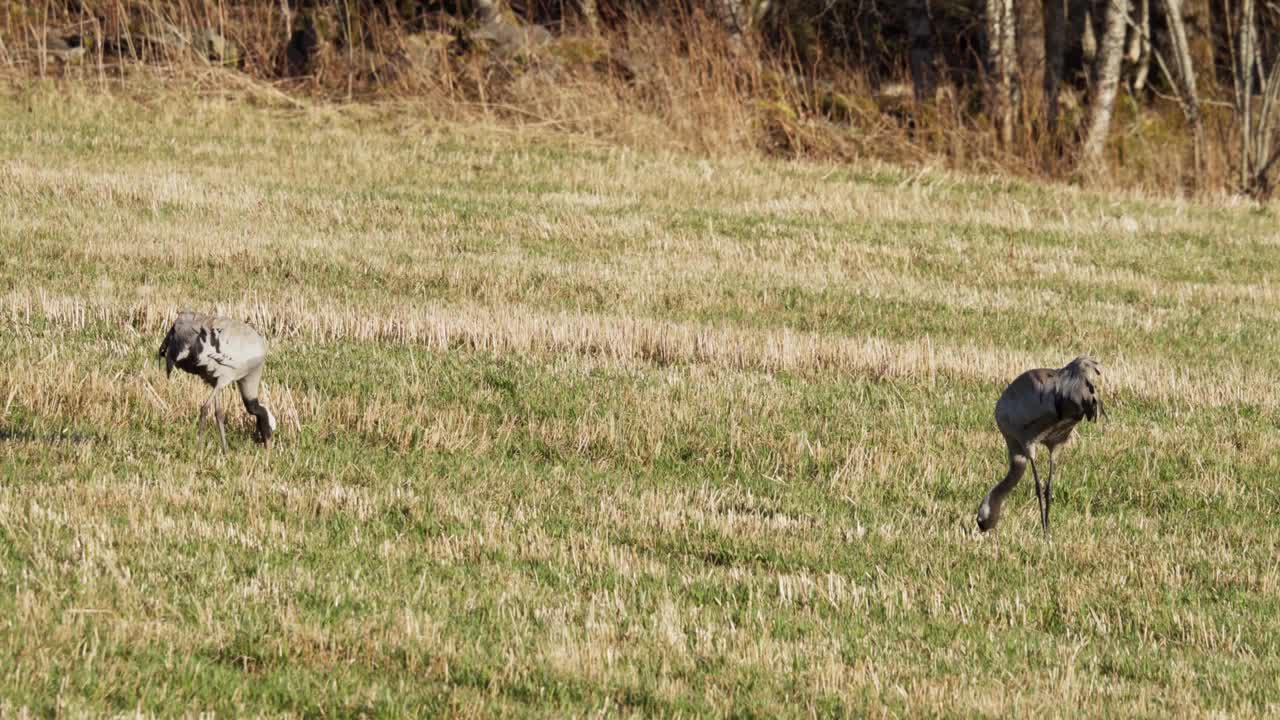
(10, 434)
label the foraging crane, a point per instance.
(220, 351)
(1041, 406)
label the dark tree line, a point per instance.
(1022, 54)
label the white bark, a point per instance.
(1139, 52)
(1257, 124)
(487, 10)
(740, 16)
(1185, 81)
(590, 14)
(1244, 90)
(1106, 82)
(1002, 58)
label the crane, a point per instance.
(220, 351)
(1041, 406)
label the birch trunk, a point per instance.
(1106, 82)
(487, 10)
(1138, 53)
(590, 14)
(1244, 90)
(1185, 82)
(1002, 59)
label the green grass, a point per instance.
(573, 429)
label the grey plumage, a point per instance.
(1041, 406)
(220, 351)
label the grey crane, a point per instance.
(1042, 406)
(220, 351)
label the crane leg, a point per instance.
(989, 509)
(204, 410)
(217, 416)
(1044, 516)
(1048, 493)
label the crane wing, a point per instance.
(1028, 405)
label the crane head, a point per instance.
(1079, 386)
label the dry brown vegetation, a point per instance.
(574, 428)
(672, 81)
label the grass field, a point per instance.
(570, 430)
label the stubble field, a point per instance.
(569, 429)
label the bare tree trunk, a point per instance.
(487, 10)
(1200, 44)
(920, 31)
(1244, 89)
(1055, 26)
(1029, 31)
(738, 16)
(1002, 55)
(1268, 117)
(590, 13)
(1107, 81)
(1138, 53)
(1089, 32)
(1185, 82)
(1257, 123)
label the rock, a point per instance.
(66, 49)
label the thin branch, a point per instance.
(1266, 167)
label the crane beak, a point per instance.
(165, 358)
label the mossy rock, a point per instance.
(576, 51)
(778, 110)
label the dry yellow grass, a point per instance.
(576, 430)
